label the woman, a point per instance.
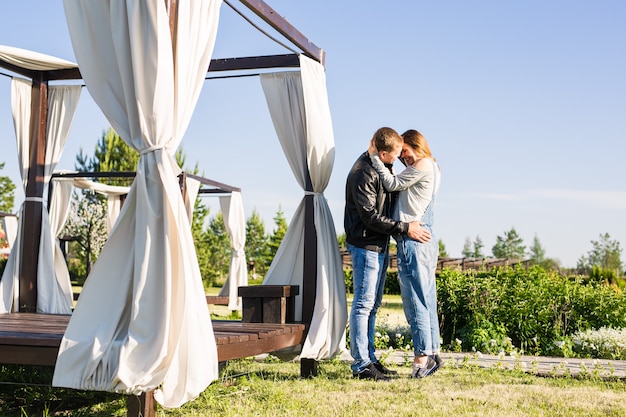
(418, 184)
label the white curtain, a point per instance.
(193, 188)
(33, 60)
(54, 293)
(9, 225)
(235, 222)
(55, 296)
(142, 320)
(59, 210)
(20, 105)
(298, 104)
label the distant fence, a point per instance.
(462, 264)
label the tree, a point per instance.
(538, 256)
(473, 249)
(478, 247)
(341, 241)
(279, 233)
(509, 246)
(215, 252)
(606, 254)
(256, 244)
(537, 252)
(111, 154)
(86, 223)
(443, 253)
(467, 248)
(7, 193)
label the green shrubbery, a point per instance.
(530, 311)
(533, 310)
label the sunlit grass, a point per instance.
(275, 389)
(272, 388)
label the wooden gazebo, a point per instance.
(35, 187)
(34, 193)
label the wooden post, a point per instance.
(268, 303)
(308, 367)
(143, 405)
(31, 231)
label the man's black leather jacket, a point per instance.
(367, 216)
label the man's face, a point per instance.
(389, 157)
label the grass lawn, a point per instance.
(270, 388)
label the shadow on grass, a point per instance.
(27, 391)
(273, 369)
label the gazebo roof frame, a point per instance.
(35, 186)
(258, 7)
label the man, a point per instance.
(368, 226)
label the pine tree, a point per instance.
(478, 248)
(467, 248)
(216, 252)
(509, 246)
(443, 253)
(110, 154)
(537, 252)
(256, 245)
(279, 233)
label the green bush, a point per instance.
(3, 264)
(532, 309)
(78, 271)
(606, 276)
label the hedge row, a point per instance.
(513, 308)
(531, 309)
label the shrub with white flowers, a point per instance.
(604, 343)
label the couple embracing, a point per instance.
(380, 204)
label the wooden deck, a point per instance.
(34, 339)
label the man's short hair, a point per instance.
(386, 139)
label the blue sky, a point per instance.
(523, 103)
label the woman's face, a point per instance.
(409, 156)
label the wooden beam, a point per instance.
(280, 24)
(218, 64)
(255, 62)
(308, 367)
(60, 74)
(63, 74)
(18, 70)
(34, 190)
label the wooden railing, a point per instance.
(462, 264)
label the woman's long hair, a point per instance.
(417, 141)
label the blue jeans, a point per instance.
(417, 263)
(369, 270)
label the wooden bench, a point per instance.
(218, 300)
(34, 338)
